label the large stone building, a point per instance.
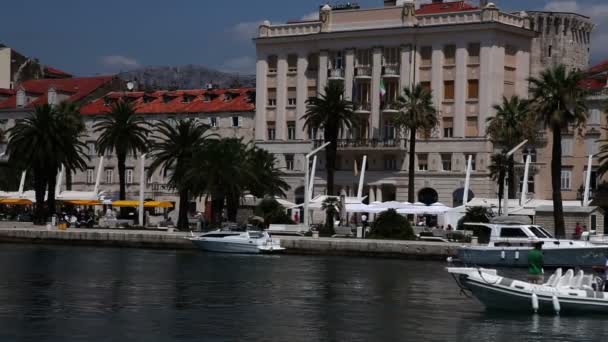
(469, 56)
(16, 68)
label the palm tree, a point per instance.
(498, 167)
(42, 143)
(331, 206)
(267, 178)
(559, 103)
(416, 112)
(69, 113)
(123, 132)
(330, 112)
(511, 125)
(175, 145)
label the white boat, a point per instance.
(250, 242)
(508, 241)
(562, 293)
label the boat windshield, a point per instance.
(538, 232)
(545, 231)
(256, 235)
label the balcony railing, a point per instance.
(390, 71)
(363, 107)
(366, 144)
(336, 74)
(363, 71)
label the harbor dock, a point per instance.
(27, 233)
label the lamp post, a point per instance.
(506, 192)
(307, 182)
(142, 185)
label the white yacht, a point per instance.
(250, 242)
(507, 241)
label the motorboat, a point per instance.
(565, 293)
(249, 242)
(505, 242)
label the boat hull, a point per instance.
(518, 257)
(501, 298)
(233, 247)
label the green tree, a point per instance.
(391, 225)
(42, 142)
(559, 103)
(416, 113)
(330, 112)
(266, 179)
(69, 114)
(173, 149)
(331, 206)
(123, 132)
(272, 212)
(511, 125)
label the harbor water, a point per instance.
(61, 293)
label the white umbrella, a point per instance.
(393, 205)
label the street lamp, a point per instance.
(307, 181)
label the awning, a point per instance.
(133, 204)
(83, 202)
(16, 201)
(147, 204)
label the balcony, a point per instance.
(363, 72)
(599, 94)
(396, 144)
(364, 108)
(390, 71)
(336, 74)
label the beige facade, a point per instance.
(469, 59)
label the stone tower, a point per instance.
(561, 38)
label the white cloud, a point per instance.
(245, 31)
(597, 12)
(242, 65)
(311, 16)
(118, 62)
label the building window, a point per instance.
(312, 133)
(473, 50)
(272, 64)
(471, 129)
(90, 176)
(449, 54)
(214, 122)
(594, 117)
(91, 148)
(272, 102)
(591, 144)
(149, 179)
(272, 131)
(390, 163)
(236, 121)
(531, 152)
(389, 130)
(566, 178)
(448, 127)
(426, 85)
(566, 147)
(550, 52)
(129, 176)
(473, 161)
(291, 130)
(531, 189)
(423, 162)
(446, 162)
(289, 164)
(448, 90)
(272, 97)
(292, 64)
(426, 56)
(337, 60)
(291, 101)
(473, 89)
(109, 176)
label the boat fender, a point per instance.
(556, 305)
(535, 302)
(516, 254)
(503, 255)
(450, 259)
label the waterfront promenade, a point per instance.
(11, 232)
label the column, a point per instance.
(374, 124)
(486, 83)
(302, 95)
(460, 89)
(372, 194)
(322, 81)
(437, 76)
(379, 193)
(349, 74)
(261, 96)
(405, 67)
(281, 122)
(522, 72)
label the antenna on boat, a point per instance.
(98, 179)
(467, 182)
(524, 188)
(22, 183)
(588, 181)
(362, 178)
(311, 187)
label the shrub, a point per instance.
(475, 215)
(390, 225)
(272, 212)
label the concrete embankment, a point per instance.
(176, 240)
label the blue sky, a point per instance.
(101, 37)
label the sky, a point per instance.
(108, 36)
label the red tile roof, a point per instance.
(50, 71)
(445, 7)
(597, 77)
(76, 88)
(172, 102)
(4, 91)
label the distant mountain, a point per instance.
(185, 77)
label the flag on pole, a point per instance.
(382, 88)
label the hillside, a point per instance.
(185, 77)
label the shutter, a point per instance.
(240, 121)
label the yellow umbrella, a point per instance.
(83, 202)
(133, 204)
(158, 204)
(16, 201)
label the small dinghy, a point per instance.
(562, 293)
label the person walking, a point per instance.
(535, 264)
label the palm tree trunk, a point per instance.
(52, 182)
(233, 207)
(412, 168)
(121, 177)
(182, 216)
(501, 190)
(330, 165)
(556, 171)
(68, 179)
(217, 203)
(40, 189)
(511, 177)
